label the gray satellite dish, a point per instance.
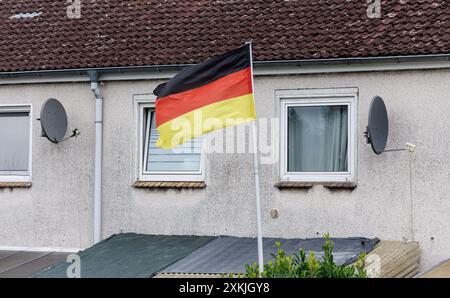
(378, 128)
(53, 120)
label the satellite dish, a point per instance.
(378, 128)
(53, 120)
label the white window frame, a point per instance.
(319, 97)
(21, 178)
(141, 102)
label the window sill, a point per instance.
(15, 184)
(167, 185)
(294, 184)
(308, 185)
(340, 185)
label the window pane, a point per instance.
(167, 160)
(318, 138)
(14, 142)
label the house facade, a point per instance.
(314, 82)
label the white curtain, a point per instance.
(14, 142)
(318, 139)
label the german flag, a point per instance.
(205, 97)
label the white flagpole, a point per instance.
(256, 174)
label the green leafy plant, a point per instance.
(302, 266)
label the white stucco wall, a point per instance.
(58, 209)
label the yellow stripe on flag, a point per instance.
(229, 112)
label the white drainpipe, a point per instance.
(98, 157)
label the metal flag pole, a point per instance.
(256, 173)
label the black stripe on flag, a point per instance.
(206, 72)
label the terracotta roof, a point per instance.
(38, 35)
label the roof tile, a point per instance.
(162, 32)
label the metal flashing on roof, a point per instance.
(268, 68)
(26, 15)
(269, 63)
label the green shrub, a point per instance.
(301, 266)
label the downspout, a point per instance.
(98, 156)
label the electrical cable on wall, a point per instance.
(377, 135)
(411, 148)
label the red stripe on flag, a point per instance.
(233, 85)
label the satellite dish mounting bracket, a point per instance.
(367, 135)
(75, 133)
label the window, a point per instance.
(319, 135)
(15, 143)
(183, 163)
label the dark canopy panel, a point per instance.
(230, 254)
(130, 255)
